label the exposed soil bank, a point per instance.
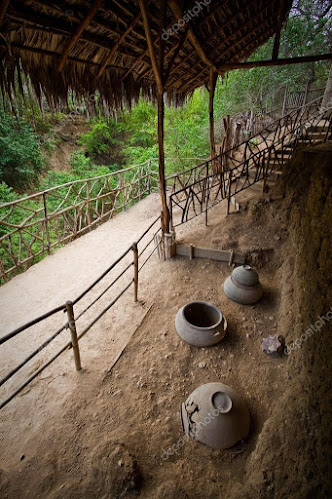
(292, 457)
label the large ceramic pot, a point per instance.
(243, 286)
(215, 415)
(200, 324)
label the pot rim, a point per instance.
(200, 328)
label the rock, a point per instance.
(276, 237)
(273, 345)
(202, 365)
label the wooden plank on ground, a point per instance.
(191, 251)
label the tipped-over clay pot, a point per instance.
(215, 415)
(243, 286)
(200, 324)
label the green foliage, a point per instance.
(103, 141)
(6, 193)
(21, 159)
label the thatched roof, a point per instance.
(87, 46)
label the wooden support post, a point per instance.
(74, 340)
(46, 225)
(229, 193)
(162, 181)
(213, 82)
(158, 70)
(191, 251)
(135, 252)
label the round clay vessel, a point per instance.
(200, 324)
(215, 415)
(243, 286)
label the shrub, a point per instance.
(21, 159)
(104, 141)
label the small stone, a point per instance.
(202, 365)
(277, 238)
(120, 462)
(273, 345)
(271, 318)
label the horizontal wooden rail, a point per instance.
(72, 320)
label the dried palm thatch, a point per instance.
(85, 47)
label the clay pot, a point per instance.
(215, 415)
(200, 324)
(243, 286)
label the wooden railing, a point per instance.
(230, 173)
(31, 227)
(34, 225)
(124, 272)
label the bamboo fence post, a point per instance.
(3, 273)
(149, 177)
(74, 340)
(88, 204)
(139, 182)
(48, 244)
(135, 252)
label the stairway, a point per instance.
(260, 158)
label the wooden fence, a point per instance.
(34, 225)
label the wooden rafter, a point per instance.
(118, 43)
(177, 11)
(3, 7)
(176, 52)
(90, 15)
(157, 40)
(49, 25)
(227, 39)
(58, 55)
(227, 24)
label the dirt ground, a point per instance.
(93, 434)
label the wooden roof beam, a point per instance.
(3, 8)
(58, 55)
(227, 23)
(56, 27)
(174, 47)
(79, 30)
(118, 43)
(278, 62)
(60, 7)
(177, 11)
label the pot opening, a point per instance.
(202, 314)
